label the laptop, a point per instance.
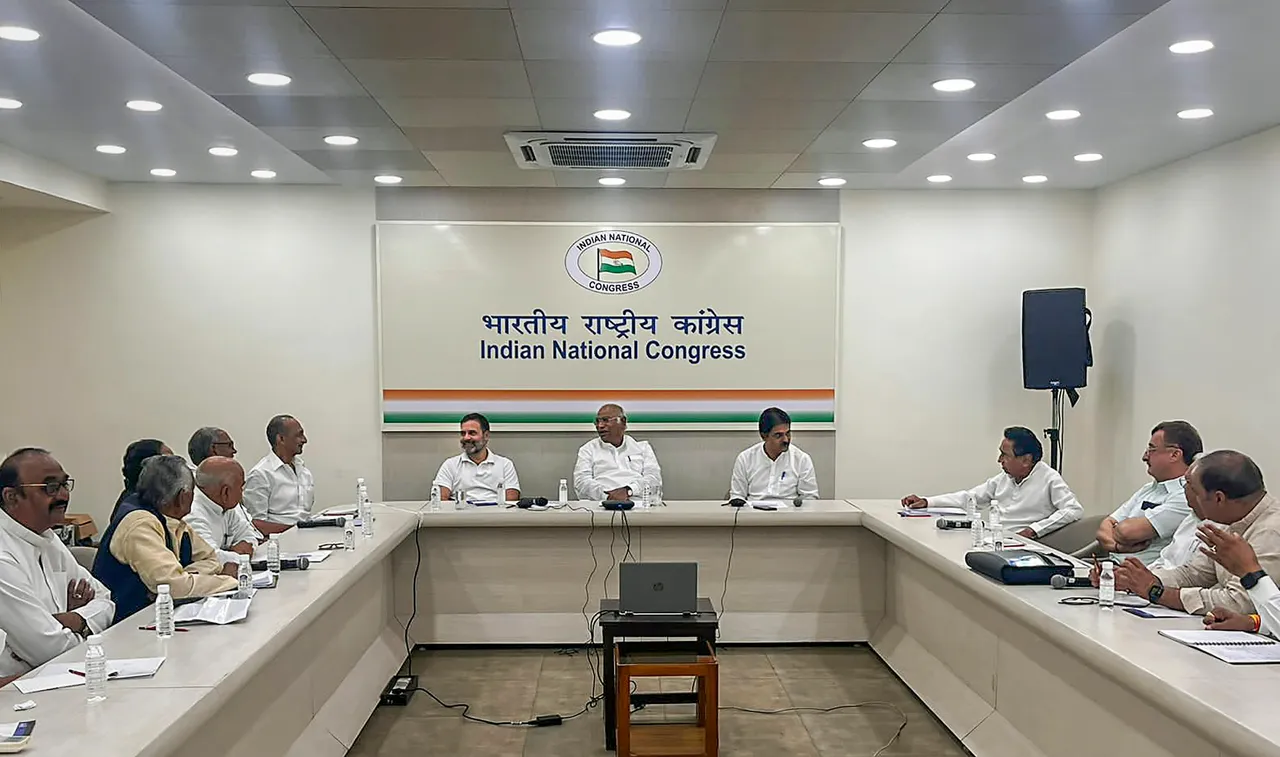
(658, 588)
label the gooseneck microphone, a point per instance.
(1059, 581)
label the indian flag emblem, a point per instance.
(614, 261)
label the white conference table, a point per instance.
(1008, 670)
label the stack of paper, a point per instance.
(216, 610)
(65, 675)
(1235, 647)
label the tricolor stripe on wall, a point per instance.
(419, 406)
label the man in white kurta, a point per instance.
(478, 474)
(48, 602)
(280, 490)
(614, 466)
(775, 469)
(215, 509)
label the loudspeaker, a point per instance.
(1055, 339)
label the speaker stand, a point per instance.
(1054, 432)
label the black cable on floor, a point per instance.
(892, 739)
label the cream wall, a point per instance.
(187, 306)
(1189, 320)
(931, 334)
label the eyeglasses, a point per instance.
(607, 418)
(232, 445)
(1151, 449)
(51, 487)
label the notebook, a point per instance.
(1235, 647)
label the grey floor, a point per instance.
(519, 684)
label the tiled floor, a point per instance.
(518, 684)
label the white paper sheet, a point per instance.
(216, 610)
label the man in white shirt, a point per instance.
(775, 469)
(279, 490)
(211, 441)
(215, 509)
(48, 603)
(478, 474)
(1034, 499)
(1146, 525)
(615, 466)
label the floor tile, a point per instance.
(754, 693)
(492, 664)
(581, 737)
(746, 735)
(830, 692)
(438, 737)
(744, 662)
(489, 699)
(865, 731)
(827, 662)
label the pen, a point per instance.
(152, 628)
(80, 673)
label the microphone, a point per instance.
(301, 563)
(1059, 581)
(947, 524)
(321, 523)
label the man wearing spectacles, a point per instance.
(48, 603)
(1156, 524)
(614, 466)
(216, 512)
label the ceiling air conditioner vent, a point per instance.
(560, 151)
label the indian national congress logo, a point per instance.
(613, 262)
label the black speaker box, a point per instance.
(1055, 339)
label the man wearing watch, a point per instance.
(1234, 553)
(48, 603)
(1224, 487)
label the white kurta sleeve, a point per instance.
(1066, 508)
(510, 479)
(652, 472)
(806, 479)
(102, 610)
(982, 493)
(585, 485)
(257, 494)
(239, 528)
(34, 636)
(740, 478)
(1266, 602)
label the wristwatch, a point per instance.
(1250, 580)
(1155, 592)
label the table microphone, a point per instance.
(1059, 581)
(947, 524)
(301, 563)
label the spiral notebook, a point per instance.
(1235, 647)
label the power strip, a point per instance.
(398, 691)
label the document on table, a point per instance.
(343, 511)
(1235, 647)
(65, 676)
(215, 610)
(942, 511)
(1157, 611)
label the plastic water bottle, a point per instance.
(971, 507)
(997, 532)
(564, 492)
(366, 512)
(244, 574)
(95, 668)
(164, 612)
(978, 532)
(1107, 584)
(435, 499)
(359, 491)
(273, 553)
(349, 534)
(645, 491)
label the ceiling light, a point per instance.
(611, 181)
(616, 37)
(1089, 157)
(1035, 179)
(223, 152)
(110, 149)
(146, 106)
(340, 140)
(1191, 47)
(1062, 115)
(832, 181)
(940, 178)
(18, 34)
(982, 157)
(879, 144)
(7, 104)
(268, 80)
(954, 85)
(613, 114)
(1195, 113)
(163, 172)
(388, 179)
(263, 174)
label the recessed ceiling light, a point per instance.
(613, 114)
(8, 104)
(940, 178)
(18, 34)
(263, 174)
(340, 140)
(388, 179)
(616, 37)
(163, 172)
(1089, 157)
(611, 181)
(982, 157)
(1195, 113)
(110, 149)
(879, 144)
(223, 152)
(268, 80)
(1035, 179)
(1191, 47)
(146, 106)
(954, 85)
(1062, 115)
(832, 181)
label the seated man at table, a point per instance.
(215, 509)
(478, 474)
(1234, 554)
(1153, 525)
(775, 468)
(1225, 487)
(614, 466)
(280, 490)
(149, 544)
(1034, 500)
(48, 602)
